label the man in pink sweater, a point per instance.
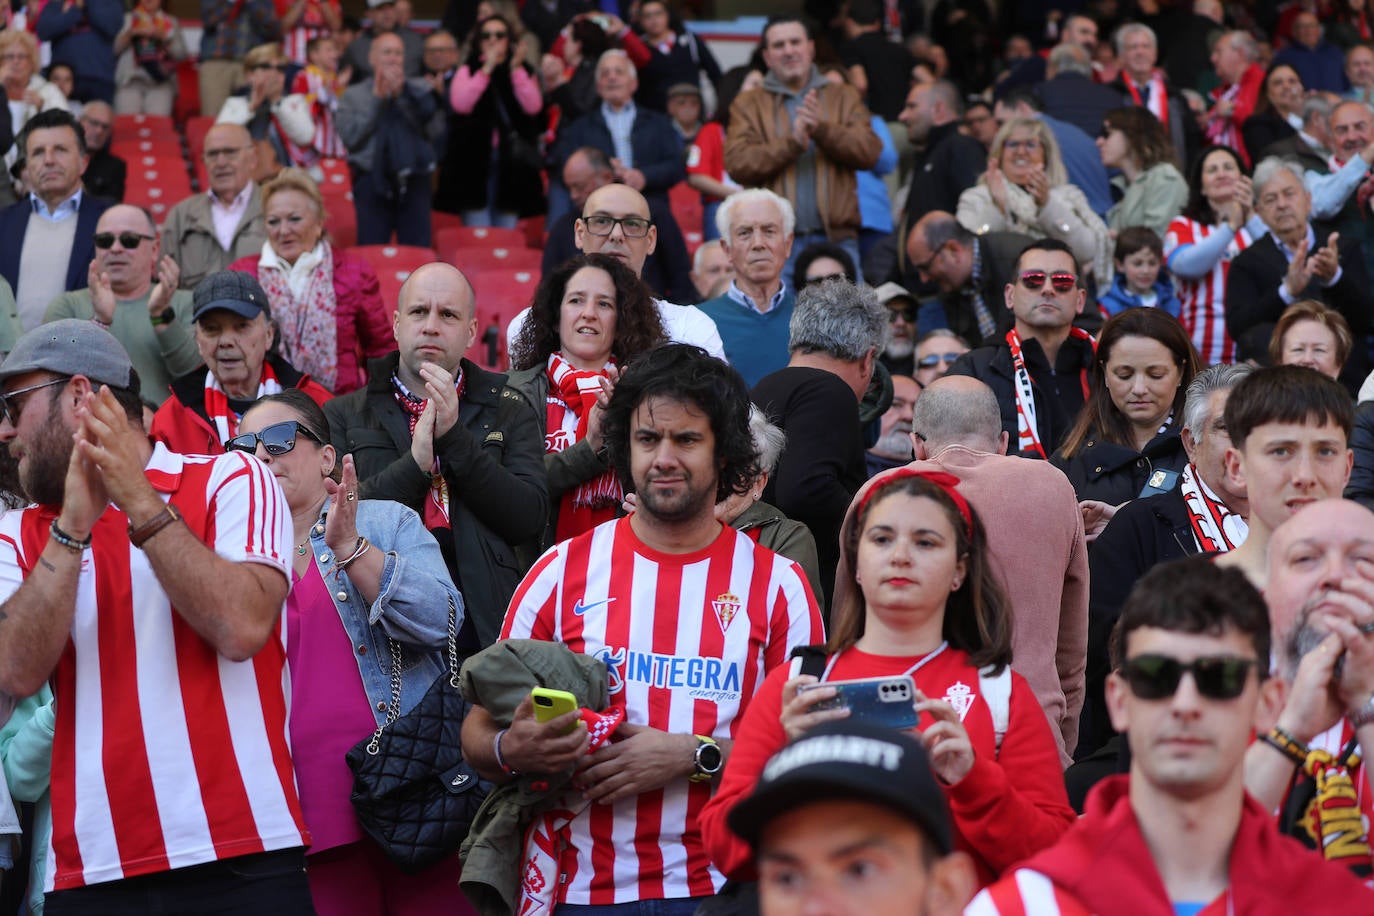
(1035, 539)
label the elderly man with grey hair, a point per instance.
(836, 332)
(957, 428)
(1144, 84)
(1296, 260)
(756, 228)
(1205, 513)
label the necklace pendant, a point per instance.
(300, 550)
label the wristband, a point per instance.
(501, 761)
(67, 541)
(1283, 742)
(166, 316)
(141, 535)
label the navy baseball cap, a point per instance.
(233, 291)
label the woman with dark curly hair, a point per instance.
(1278, 114)
(917, 601)
(1133, 140)
(822, 261)
(590, 318)
(1129, 428)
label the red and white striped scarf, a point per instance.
(1158, 102)
(1215, 527)
(435, 513)
(225, 421)
(1027, 433)
(572, 395)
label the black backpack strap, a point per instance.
(813, 659)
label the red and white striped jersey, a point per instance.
(1024, 893)
(687, 640)
(165, 753)
(1203, 299)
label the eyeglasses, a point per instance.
(10, 408)
(934, 359)
(488, 36)
(1029, 146)
(924, 266)
(130, 240)
(1217, 677)
(277, 439)
(280, 68)
(634, 227)
(896, 315)
(1034, 280)
(228, 152)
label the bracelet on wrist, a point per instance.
(501, 761)
(362, 546)
(1286, 744)
(138, 536)
(66, 540)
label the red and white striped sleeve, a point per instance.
(248, 519)
(796, 618)
(1024, 893)
(533, 611)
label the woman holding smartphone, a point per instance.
(915, 597)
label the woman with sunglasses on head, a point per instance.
(589, 319)
(1154, 192)
(1218, 224)
(326, 303)
(916, 601)
(1026, 189)
(282, 126)
(366, 573)
(1127, 440)
(497, 98)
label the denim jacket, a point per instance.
(411, 606)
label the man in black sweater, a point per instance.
(836, 332)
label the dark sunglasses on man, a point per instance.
(130, 240)
(277, 439)
(1217, 677)
(1060, 281)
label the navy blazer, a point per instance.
(656, 143)
(14, 223)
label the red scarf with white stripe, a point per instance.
(572, 395)
(1027, 433)
(1158, 102)
(435, 511)
(224, 420)
(1215, 527)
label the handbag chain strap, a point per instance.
(394, 710)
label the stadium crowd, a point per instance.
(927, 468)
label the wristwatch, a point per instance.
(707, 761)
(166, 316)
(1362, 716)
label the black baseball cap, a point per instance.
(233, 291)
(854, 761)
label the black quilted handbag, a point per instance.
(413, 792)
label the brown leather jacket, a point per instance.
(760, 151)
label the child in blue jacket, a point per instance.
(1138, 282)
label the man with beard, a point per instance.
(957, 428)
(689, 616)
(893, 448)
(172, 570)
(1321, 606)
(898, 355)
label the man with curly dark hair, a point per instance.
(688, 615)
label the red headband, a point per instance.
(947, 482)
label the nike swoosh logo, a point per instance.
(579, 608)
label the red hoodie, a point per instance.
(1102, 865)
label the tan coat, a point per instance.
(188, 237)
(1066, 216)
(760, 151)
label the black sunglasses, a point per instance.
(130, 240)
(907, 314)
(277, 439)
(1156, 677)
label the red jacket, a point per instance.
(1102, 865)
(181, 421)
(1011, 805)
(364, 320)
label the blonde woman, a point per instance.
(1026, 190)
